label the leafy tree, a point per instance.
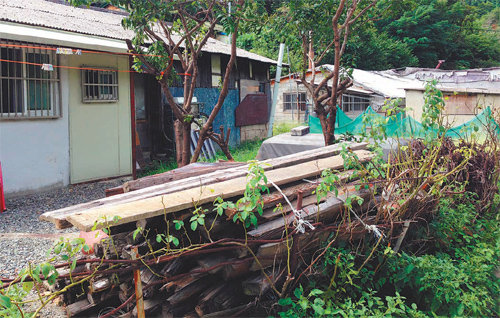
(165, 29)
(436, 29)
(323, 27)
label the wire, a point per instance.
(83, 51)
(80, 68)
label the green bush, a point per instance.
(454, 278)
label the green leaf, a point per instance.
(65, 257)
(86, 248)
(315, 292)
(253, 219)
(304, 303)
(45, 270)
(318, 309)
(201, 221)
(158, 238)
(52, 278)
(58, 248)
(27, 286)
(5, 301)
(178, 224)
(175, 241)
(194, 225)
(137, 231)
(285, 301)
(73, 265)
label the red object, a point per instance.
(2, 198)
(440, 62)
(91, 238)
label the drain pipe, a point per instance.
(276, 90)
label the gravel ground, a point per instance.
(24, 238)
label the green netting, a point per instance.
(407, 126)
(404, 127)
(480, 124)
(357, 126)
(341, 120)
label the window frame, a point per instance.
(40, 79)
(216, 69)
(100, 71)
(300, 99)
(348, 106)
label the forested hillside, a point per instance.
(398, 33)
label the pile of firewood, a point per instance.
(221, 268)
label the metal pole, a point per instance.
(276, 90)
(229, 11)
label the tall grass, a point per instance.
(243, 152)
(281, 128)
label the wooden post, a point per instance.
(138, 287)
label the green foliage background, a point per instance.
(398, 33)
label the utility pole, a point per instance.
(276, 89)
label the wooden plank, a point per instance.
(191, 170)
(323, 212)
(58, 217)
(173, 202)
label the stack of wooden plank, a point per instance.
(221, 266)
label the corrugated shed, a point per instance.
(90, 21)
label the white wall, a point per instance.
(35, 152)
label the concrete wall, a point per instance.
(253, 132)
(288, 116)
(35, 152)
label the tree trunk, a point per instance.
(186, 140)
(330, 136)
(178, 141)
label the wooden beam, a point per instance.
(59, 217)
(173, 202)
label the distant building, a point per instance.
(464, 90)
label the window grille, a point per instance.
(294, 100)
(354, 103)
(99, 86)
(27, 91)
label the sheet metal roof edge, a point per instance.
(459, 90)
(248, 55)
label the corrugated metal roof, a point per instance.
(90, 21)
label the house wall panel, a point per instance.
(208, 98)
(457, 114)
(35, 153)
(100, 135)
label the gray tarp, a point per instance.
(286, 144)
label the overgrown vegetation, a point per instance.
(427, 245)
(447, 193)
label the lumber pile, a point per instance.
(220, 267)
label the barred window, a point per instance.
(354, 103)
(294, 100)
(99, 86)
(26, 90)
